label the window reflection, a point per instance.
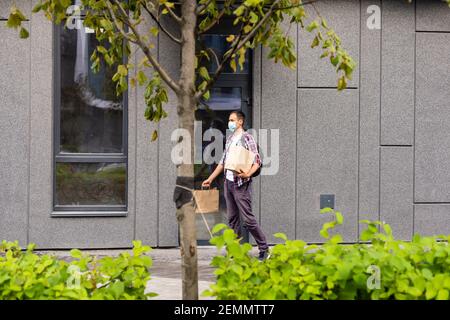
(220, 45)
(90, 183)
(224, 99)
(91, 113)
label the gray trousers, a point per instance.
(239, 200)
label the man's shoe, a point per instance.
(263, 255)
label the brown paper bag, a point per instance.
(239, 159)
(207, 200)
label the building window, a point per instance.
(90, 122)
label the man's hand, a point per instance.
(244, 175)
(207, 183)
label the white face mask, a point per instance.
(232, 126)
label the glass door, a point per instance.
(232, 91)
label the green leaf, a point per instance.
(442, 294)
(37, 8)
(337, 238)
(141, 77)
(228, 235)
(315, 42)
(387, 229)
(75, 253)
(324, 54)
(313, 25)
(102, 49)
(237, 269)
(281, 236)
(23, 33)
(154, 31)
(233, 248)
(335, 60)
(154, 135)
(218, 227)
(267, 294)
(253, 17)
(122, 70)
(326, 210)
(339, 217)
(106, 24)
(239, 11)
(342, 83)
(430, 293)
(117, 289)
(233, 65)
(427, 274)
(203, 73)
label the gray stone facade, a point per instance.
(381, 146)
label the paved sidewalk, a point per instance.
(166, 270)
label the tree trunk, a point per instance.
(186, 115)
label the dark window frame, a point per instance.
(58, 157)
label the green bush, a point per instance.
(419, 269)
(26, 275)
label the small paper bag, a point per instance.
(207, 200)
(239, 159)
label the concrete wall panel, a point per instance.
(257, 113)
(396, 191)
(344, 18)
(432, 168)
(432, 15)
(167, 222)
(369, 130)
(327, 160)
(14, 133)
(146, 166)
(397, 70)
(278, 103)
(433, 219)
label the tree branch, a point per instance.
(238, 45)
(260, 23)
(214, 21)
(162, 72)
(174, 15)
(171, 12)
(158, 22)
(116, 22)
(219, 69)
(202, 7)
(295, 6)
(227, 4)
(215, 56)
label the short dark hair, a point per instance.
(239, 114)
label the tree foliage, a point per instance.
(260, 22)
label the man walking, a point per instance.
(238, 186)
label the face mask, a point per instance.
(232, 126)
